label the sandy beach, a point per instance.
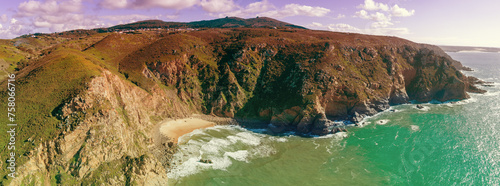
(176, 128)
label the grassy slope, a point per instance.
(38, 93)
(9, 57)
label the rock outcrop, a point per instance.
(109, 137)
(299, 80)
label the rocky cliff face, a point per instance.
(293, 79)
(299, 80)
(110, 137)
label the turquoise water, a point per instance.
(442, 144)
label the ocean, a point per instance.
(451, 143)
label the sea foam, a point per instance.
(382, 122)
(414, 127)
(222, 145)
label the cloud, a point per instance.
(134, 17)
(168, 4)
(265, 8)
(381, 14)
(377, 16)
(339, 27)
(222, 8)
(316, 24)
(16, 28)
(213, 6)
(54, 15)
(373, 29)
(250, 10)
(342, 27)
(381, 24)
(401, 12)
(362, 14)
(52, 7)
(340, 16)
(395, 10)
(380, 17)
(113, 4)
(372, 5)
(296, 10)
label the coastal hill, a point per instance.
(228, 22)
(90, 102)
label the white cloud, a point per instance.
(380, 17)
(265, 8)
(377, 16)
(17, 28)
(168, 4)
(214, 6)
(373, 29)
(296, 10)
(395, 10)
(381, 14)
(342, 27)
(316, 24)
(372, 5)
(54, 15)
(340, 16)
(211, 6)
(52, 7)
(250, 10)
(339, 27)
(381, 24)
(362, 14)
(401, 12)
(134, 17)
(113, 4)
(1, 26)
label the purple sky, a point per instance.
(445, 22)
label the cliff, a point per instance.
(89, 105)
(293, 78)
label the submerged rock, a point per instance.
(207, 161)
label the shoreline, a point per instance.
(176, 128)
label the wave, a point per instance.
(489, 93)
(414, 127)
(424, 108)
(382, 122)
(222, 145)
(240, 155)
(338, 135)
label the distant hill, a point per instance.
(228, 22)
(469, 49)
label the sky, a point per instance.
(441, 22)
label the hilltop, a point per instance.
(91, 100)
(228, 22)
